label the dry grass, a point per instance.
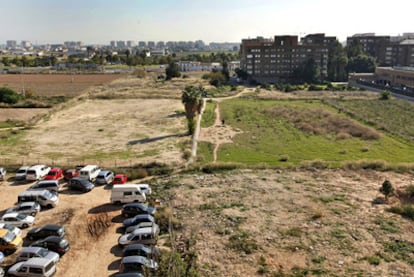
(320, 121)
(69, 85)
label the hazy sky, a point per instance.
(100, 21)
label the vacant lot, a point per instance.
(69, 85)
(253, 223)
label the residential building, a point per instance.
(160, 45)
(401, 77)
(11, 44)
(275, 60)
(151, 44)
(388, 51)
(142, 44)
(130, 43)
(113, 44)
(121, 44)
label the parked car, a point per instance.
(18, 220)
(133, 209)
(50, 185)
(139, 249)
(37, 172)
(105, 177)
(72, 173)
(53, 243)
(15, 230)
(45, 231)
(147, 236)
(9, 242)
(1, 258)
(44, 197)
(55, 173)
(37, 252)
(33, 267)
(81, 184)
(31, 208)
(2, 272)
(2, 173)
(137, 264)
(145, 188)
(139, 226)
(21, 173)
(89, 172)
(120, 179)
(138, 219)
(126, 194)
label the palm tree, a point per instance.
(192, 99)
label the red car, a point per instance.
(120, 179)
(54, 174)
(72, 172)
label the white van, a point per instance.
(89, 172)
(33, 267)
(127, 194)
(44, 197)
(37, 172)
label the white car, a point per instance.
(21, 173)
(30, 208)
(2, 173)
(11, 228)
(37, 172)
(18, 220)
(145, 188)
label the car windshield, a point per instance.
(8, 227)
(47, 194)
(43, 252)
(9, 236)
(21, 216)
(130, 236)
(52, 173)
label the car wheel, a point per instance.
(31, 238)
(33, 214)
(24, 225)
(8, 252)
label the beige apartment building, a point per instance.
(275, 60)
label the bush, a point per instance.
(9, 96)
(243, 243)
(405, 211)
(385, 95)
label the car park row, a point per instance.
(48, 242)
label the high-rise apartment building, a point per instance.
(275, 60)
(11, 44)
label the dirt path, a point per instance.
(220, 133)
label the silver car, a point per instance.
(37, 252)
(30, 208)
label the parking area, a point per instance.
(92, 252)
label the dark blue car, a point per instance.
(138, 219)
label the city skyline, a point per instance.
(100, 21)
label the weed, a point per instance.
(318, 260)
(404, 210)
(372, 260)
(294, 232)
(387, 224)
(242, 242)
(402, 250)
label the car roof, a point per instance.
(51, 227)
(37, 261)
(134, 204)
(14, 214)
(135, 259)
(136, 246)
(145, 230)
(28, 203)
(143, 216)
(31, 249)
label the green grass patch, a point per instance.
(406, 211)
(392, 116)
(209, 115)
(242, 242)
(387, 224)
(205, 152)
(267, 135)
(11, 124)
(372, 260)
(401, 250)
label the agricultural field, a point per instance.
(68, 85)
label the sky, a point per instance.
(100, 21)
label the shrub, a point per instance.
(9, 96)
(385, 95)
(404, 210)
(386, 189)
(410, 190)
